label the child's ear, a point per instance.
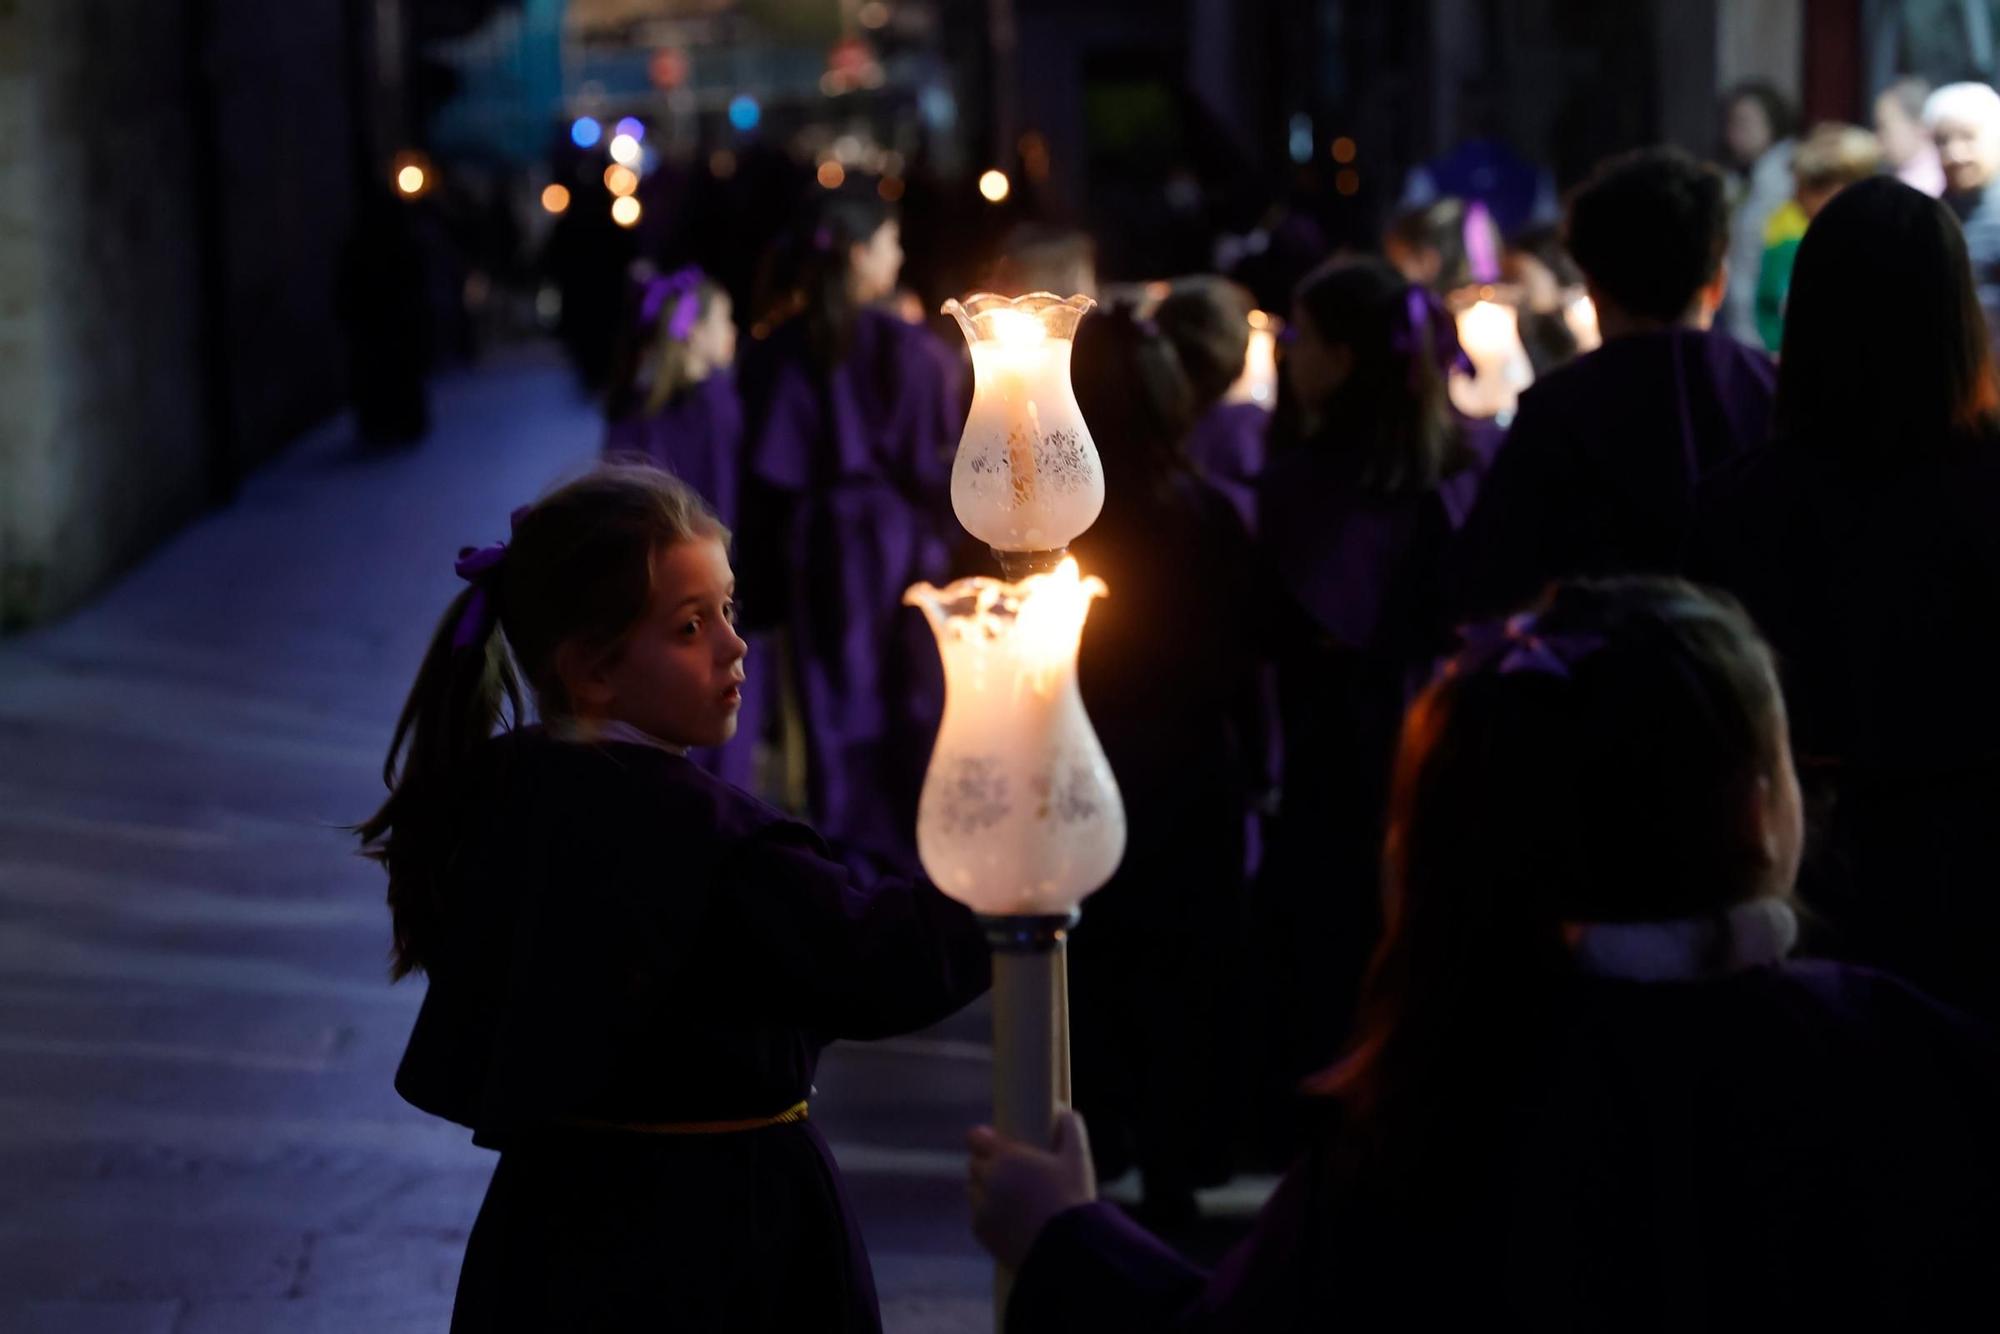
(584, 679)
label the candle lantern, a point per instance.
(1020, 816)
(1027, 477)
(1490, 333)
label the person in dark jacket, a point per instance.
(1598, 472)
(1590, 1091)
(633, 966)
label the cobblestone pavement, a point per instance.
(197, 1129)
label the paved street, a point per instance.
(197, 1128)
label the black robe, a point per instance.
(1598, 471)
(1880, 590)
(631, 940)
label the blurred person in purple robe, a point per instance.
(1168, 674)
(853, 417)
(1598, 470)
(673, 405)
(1965, 120)
(1908, 149)
(1207, 319)
(1354, 518)
(1443, 245)
(1590, 1091)
(632, 965)
(1864, 543)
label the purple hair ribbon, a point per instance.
(1518, 644)
(1426, 323)
(475, 565)
(683, 287)
(1481, 256)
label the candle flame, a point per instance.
(1016, 328)
(1034, 625)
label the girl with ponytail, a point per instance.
(853, 419)
(1355, 512)
(632, 964)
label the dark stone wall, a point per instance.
(175, 183)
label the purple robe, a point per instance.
(1598, 471)
(1799, 1147)
(1356, 621)
(630, 940)
(854, 480)
(1227, 446)
(698, 437)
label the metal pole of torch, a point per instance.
(1030, 1039)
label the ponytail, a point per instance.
(466, 688)
(811, 276)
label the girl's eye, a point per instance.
(730, 610)
(691, 629)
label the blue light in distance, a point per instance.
(585, 132)
(633, 126)
(744, 113)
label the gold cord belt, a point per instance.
(796, 1112)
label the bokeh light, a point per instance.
(890, 188)
(744, 112)
(555, 198)
(1344, 149)
(873, 14)
(831, 174)
(625, 149)
(995, 186)
(632, 128)
(620, 180)
(410, 179)
(625, 211)
(585, 132)
(1347, 180)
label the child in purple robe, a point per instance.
(1598, 471)
(1589, 1092)
(1168, 677)
(673, 405)
(1207, 319)
(1355, 518)
(853, 419)
(633, 966)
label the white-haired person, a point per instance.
(1964, 118)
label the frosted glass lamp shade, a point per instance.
(1020, 814)
(1027, 476)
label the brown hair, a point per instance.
(1525, 799)
(1834, 155)
(577, 571)
(1207, 319)
(1390, 418)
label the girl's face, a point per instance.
(1783, 816)
(679, 675)
(1316, 367)
(875, 264)
(713, 340)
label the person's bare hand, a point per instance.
(1017, 1188)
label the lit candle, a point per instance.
(1027, 477)
(1020, 814)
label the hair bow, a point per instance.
(1518, 644)
(475, 565)
(1428, 325)
(683, 286)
